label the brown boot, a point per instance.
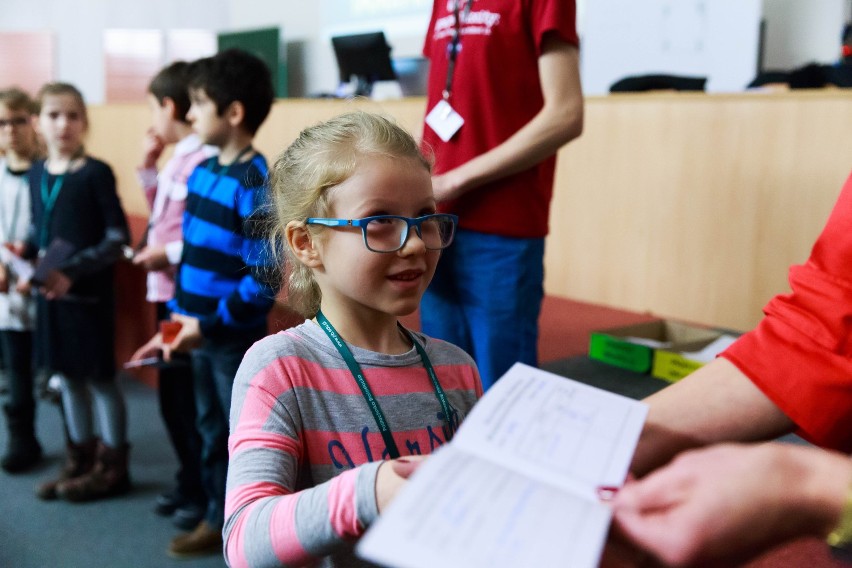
(79, 460)
(202, 541)
(108, 478)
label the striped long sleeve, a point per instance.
(304, 447)
(222, 279)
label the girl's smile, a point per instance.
(374, 286)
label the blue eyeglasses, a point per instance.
(388, 233)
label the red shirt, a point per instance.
(800, 355)
(496, 89)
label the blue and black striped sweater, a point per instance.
(223, 275)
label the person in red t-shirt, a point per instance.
(793, 372)
(504, 96)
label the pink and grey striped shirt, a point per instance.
(305, 449)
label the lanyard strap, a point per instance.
(48, 199)
(225, 169)
(358, 374)
(227, 166)
(455, 46)
(217, 177)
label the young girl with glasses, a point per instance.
(320, 409)
(19, 147)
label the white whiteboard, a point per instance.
(717, 39)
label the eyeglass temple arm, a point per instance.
(329, 222)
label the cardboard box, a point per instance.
(633, 347)
(674, 363)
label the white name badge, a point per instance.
(444, 120)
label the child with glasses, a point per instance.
(319, 409)
(222, 298)
(19, 147)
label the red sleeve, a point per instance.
(800, 355)
(558, 16)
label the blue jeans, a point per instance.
(214, 366)
(486, 298)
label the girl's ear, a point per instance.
(301, 242)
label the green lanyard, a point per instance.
(227, 167)
(356, 371)
(48, 198)
(211, 166)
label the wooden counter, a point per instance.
(689, 206)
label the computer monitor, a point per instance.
(365, 56)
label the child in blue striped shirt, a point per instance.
(222, 294)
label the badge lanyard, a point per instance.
(454, 46)
(49, 196)
(222, 173)
(48, 199)
(358, 374)
(226, 167)
(443, 119)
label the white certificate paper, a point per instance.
(517, 486)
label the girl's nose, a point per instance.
(413, 243)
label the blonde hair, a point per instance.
(323, 156)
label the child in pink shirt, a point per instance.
(317, 410)
(166, 193)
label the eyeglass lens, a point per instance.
(389, 234)
(17, 121)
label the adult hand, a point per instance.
(446, 186)
(151, 258)
(728, 503)
(56, 285)
(188, 338)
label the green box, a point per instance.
(674, 363)
(672, 366)
(633, 347)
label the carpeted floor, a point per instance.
(117, 533)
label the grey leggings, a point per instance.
(81, 398)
